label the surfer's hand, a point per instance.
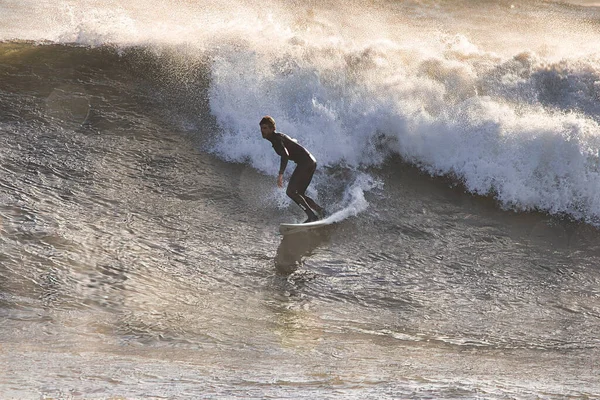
(280, 180)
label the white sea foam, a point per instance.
(354, 201)
(521, 129)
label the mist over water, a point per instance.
(458, 156)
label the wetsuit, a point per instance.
(289, 149)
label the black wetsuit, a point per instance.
(289, 149)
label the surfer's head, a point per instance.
(267, 126)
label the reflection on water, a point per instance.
(295, 246)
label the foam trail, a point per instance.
(354, 202)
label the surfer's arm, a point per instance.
(283, 153)
(283, 164)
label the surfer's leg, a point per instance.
(306, 178)
(317, 208)
(297, 187)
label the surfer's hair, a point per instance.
(268, 120)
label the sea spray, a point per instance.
(354, 201)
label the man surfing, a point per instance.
(289, 149)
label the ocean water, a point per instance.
(458, 149)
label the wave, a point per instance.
(518, 122)
(523, 130)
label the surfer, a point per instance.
(289, 149)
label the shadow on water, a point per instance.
(294, 247)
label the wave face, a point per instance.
(504, 98)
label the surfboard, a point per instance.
(286, 229)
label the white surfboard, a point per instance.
(286, 229)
